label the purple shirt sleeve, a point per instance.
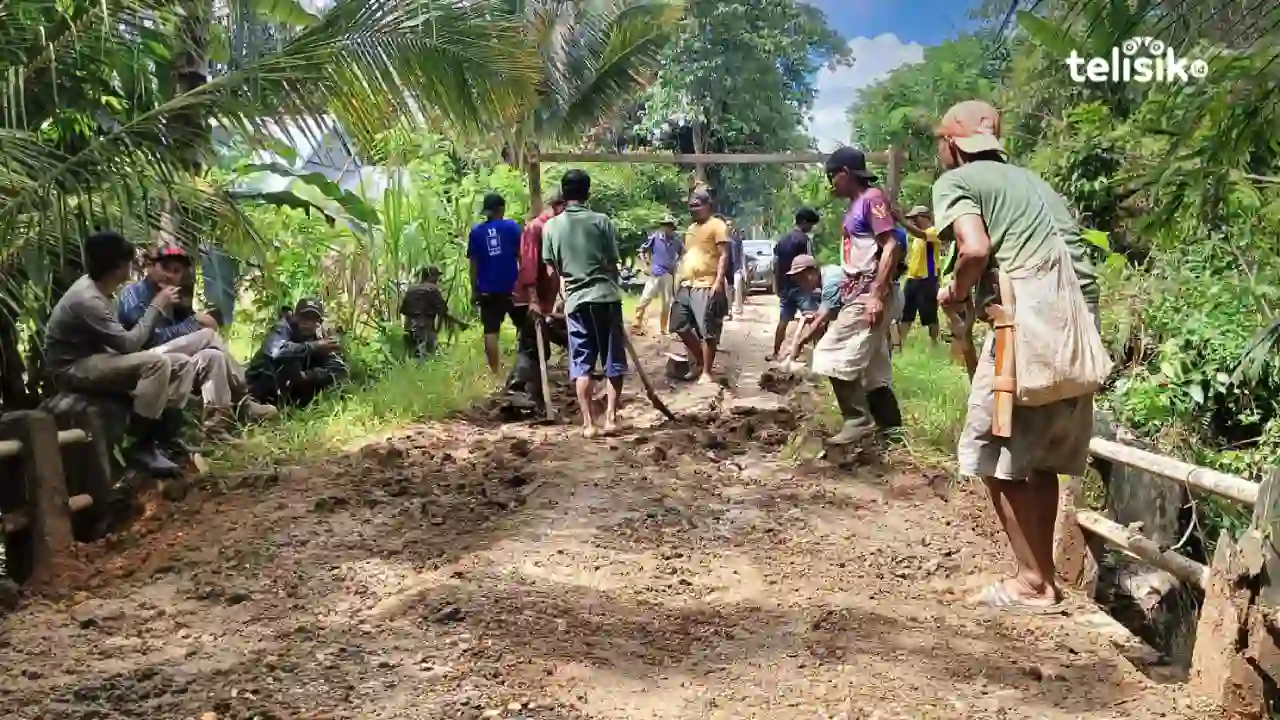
(879, 217)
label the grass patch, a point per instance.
(932, 391)
(414, 391)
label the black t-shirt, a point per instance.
(793, 244)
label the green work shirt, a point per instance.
(1023, 215)
(582, 245)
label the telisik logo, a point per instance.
(1162, 65)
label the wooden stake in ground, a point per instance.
(960, 318)
(644, 379)
(547, 404)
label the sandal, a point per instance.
(996, 596)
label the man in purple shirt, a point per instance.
(662, 253)
(854, 351)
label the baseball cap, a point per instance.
(309, 306)
(852, 160)
(668, 219)
(973, 125)
(800, 263)
(493, 201)
(169, 251)
(917, 211)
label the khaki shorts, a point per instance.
(1049, 438)
(852, 349)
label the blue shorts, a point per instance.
(595, 335)
(794, 301)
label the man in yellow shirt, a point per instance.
(924, 257)
(697, 314)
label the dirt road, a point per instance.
(468, 569)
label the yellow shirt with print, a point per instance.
(918, 255)
(704, 245)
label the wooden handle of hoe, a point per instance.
(644, 380)
(547, 402)
(1006, 380)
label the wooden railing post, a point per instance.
(49, 518)
(1236, 662)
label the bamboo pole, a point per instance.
(12, 522)
(696, 158)
(1142, 548)
(1204, 479)
(9, 448)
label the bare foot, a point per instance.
(590, 432)
(706, 379)
(610, 426)
(1013, 594)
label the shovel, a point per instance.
(542, 371)
(644, 379)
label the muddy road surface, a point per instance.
(471, 569)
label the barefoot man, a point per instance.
(1005, 217)
(581, 247)
(697, 315)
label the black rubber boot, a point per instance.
(883, 405)
(853, 409)
(145, 452)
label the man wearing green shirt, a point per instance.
(581, 247)
(1007, 219)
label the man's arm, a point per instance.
(279, 345)
(611, 254)
(330, 369)
(973, 252)
(726, 250)
(813, 328)
(98, 315)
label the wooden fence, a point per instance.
(1236, 660)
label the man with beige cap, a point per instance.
(1007, 222)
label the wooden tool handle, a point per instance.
(1006, 381)
(961, 317)
(547, 403)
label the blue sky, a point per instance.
(883, 35)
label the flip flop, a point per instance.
(996, 596)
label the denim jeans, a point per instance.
(221, 273)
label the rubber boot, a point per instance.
(853, 409)
(168, 433)
(145, 452)
(886, 413)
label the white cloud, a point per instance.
(873, 58)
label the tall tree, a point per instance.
(740, 77)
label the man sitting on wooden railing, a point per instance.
(89, 351)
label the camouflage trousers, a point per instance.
(421, 333)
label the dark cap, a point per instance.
(493, 201)
(851, 160)
(807, 214)
(800, 263)
(309, 306)
(169, 251)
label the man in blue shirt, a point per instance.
(494, 252)
(791, 301)
(662, 253)
(182, 331)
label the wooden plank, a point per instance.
(1143, 549)
(15, 521)
(1210, 481)
(10, 448)
(701, 159)
(46, 494)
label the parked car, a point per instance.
(759, 260)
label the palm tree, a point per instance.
(104, 116)
(595, 57)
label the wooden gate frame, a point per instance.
(893, 157)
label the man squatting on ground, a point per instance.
(791, 300)
(854, 348)
(581, 246)
(181, 331)
(539, 290)
(89, 351)
(701, 303)
(661, 252)
(1007, 218)
(494, 249)
(294, 364)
